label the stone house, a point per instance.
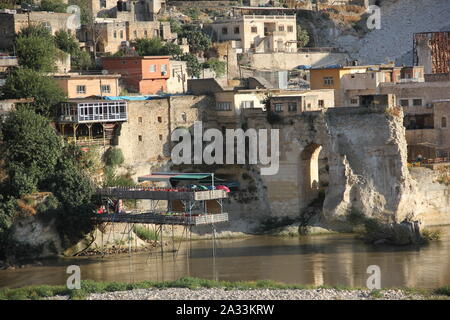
(77, 85)
(257, 33)
(11, 22)
(357, 85)
(177, 82)
(146, 74)
(110, 35)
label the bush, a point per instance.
(28, 83)
(219, 67)
(36, 49)
(145, 234)
(432, 235)
(114, 157)
(32, 149)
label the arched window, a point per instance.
(443, 122)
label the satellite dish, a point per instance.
(104, 71)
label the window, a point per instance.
(81, 89)
(115, 34)
(292, 106)
(121, 34)
(223, 106)
(145, 33)
(160, 137)
(102, 3)
(140, 119)
(236, 30)
(159, 119)
(152, 68)
(417, 102)
(328, 81)
(443, 122)
(225, 30)
(278, 107)
(164, 69)
(290, 29)
(140, 138)
(247, 104)
(321, 103)
(354, 101)
(281, 28)
(105, 88)
(404, 102)
(254, 29)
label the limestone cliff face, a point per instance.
(430, 196)
(368, 170)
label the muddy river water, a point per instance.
(335, 259)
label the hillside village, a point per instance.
(93, 104)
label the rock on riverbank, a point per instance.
(255, 294)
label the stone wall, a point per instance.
(145, 138)
(289, 60)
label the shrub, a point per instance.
(145, 234)
(432, 235)
(114, 157)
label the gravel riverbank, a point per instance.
(255, 294)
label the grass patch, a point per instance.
(145, 234)
(432, 235)
(88, 287)
(376, 294)
(443, 291)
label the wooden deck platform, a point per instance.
(152, 218)
(142, 193)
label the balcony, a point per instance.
(93, 111)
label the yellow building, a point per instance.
(333, 77)
(82, 86)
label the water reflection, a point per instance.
(319, 260)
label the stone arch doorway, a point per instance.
(312, 174)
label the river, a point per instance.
(334, 259)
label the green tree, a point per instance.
(34, 53)
(66, 42)
(26, 83)
(8, 207)
(175, 26)
(193, 13)
(156, 47)
(80, 59)
(302, 36)
(113, 157)
(36, 48)
(31, 150)
(53, 5)
(197, 40)
(219, 67)
(193, 67)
